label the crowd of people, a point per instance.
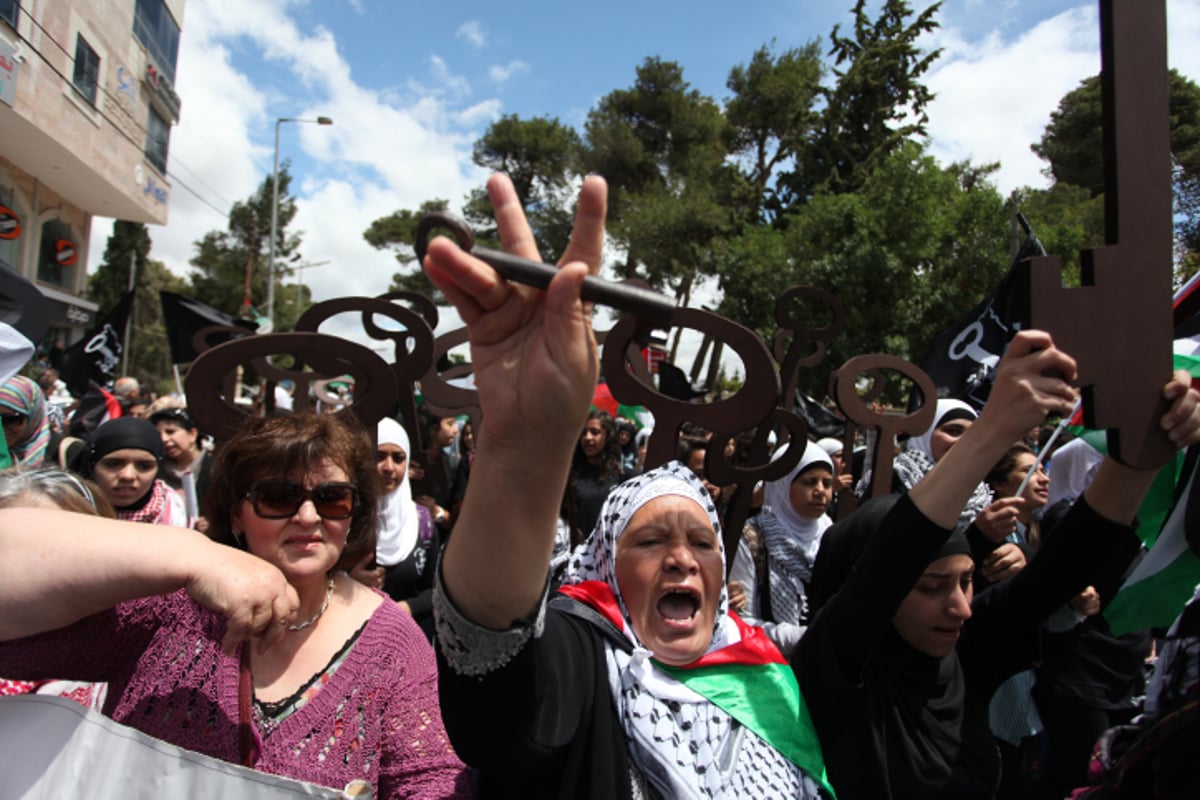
(535, 612)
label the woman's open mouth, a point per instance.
(679, 607)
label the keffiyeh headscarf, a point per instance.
(792, 539)
(399, 525)
(916, 460)
(25, 397)
(684, 744)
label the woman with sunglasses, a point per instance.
(346, 689)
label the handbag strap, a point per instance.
(246, 740)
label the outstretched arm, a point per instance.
(535, 361)
(58, 567)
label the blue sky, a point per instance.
(410, 86)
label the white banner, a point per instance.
(55, 748)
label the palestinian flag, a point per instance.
(750, 681)
(1157, 590)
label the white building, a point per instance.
(86, 109)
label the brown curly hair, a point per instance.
(287, 445)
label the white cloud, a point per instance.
(386, 150)
(995, 95)
(453, 85)
(502, 73)
(472, 33)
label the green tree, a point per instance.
(397, 232)
(1073, 147)
(110, 281)
(230, 266)
(908, 253)
(149, 354)
(662, 147)
(1073, 142)
(148, 357)
(877, 102)
(541, 156)
(771, 114)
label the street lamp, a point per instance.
(275, 211)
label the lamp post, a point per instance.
(275, 211)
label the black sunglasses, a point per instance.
(280, 499)
(11, 419)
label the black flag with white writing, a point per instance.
(97, 356)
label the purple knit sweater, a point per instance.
(377, 718)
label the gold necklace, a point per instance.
(302, 625)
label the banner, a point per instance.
(185, 317)
(55, 748)
(962, 360)
(96, 357)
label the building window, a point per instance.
(158, 139)
(9, 10)
(87, 69)
(59, 255)
(155, 28)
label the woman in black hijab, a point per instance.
(124, 457)
(901, 659)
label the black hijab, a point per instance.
(125, 433)
(933, 736)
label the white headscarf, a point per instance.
(777, 498)
(791, 539)
(680, 741)
(1072, 468)
(399, 525)
(923, 444)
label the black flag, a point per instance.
(673, 382)
(185, 317)
(96, 356)
(962, 360)
(24, 320)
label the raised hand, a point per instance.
(533, 352)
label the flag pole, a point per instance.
(129, 319)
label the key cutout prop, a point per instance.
(315, 357)
(1118, 324)
(409, 332)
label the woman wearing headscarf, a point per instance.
(612, 692)
(124, 456)
(406, 545)
(26, 426)
(899, 664)
(778, 547)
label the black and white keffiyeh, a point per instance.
(684, 745)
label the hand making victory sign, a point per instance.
(535, 361)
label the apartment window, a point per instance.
(158, 139)
(87, 69)
(9, 10)
(59, 256)
(155, 28)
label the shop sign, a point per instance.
(65, 254)
(10, 223)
